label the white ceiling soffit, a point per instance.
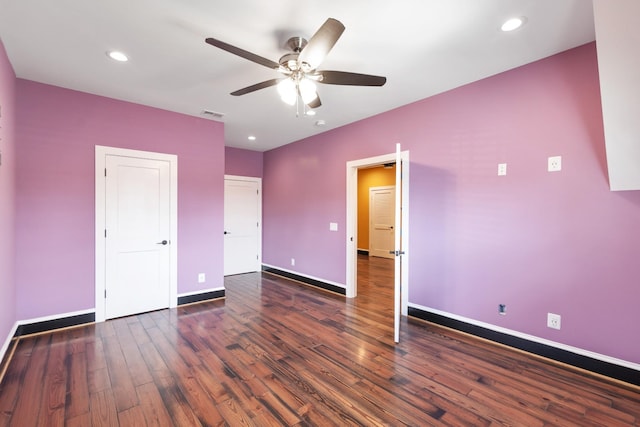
(423, 47)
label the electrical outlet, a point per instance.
(502, 169)
(201, 278)
(553, 321)
(502, 309)
(555, 164)
(293, 261)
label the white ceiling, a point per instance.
(423, 47)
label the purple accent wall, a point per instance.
(536, 241)
(242, 162)
(7, 197)
(58, 130)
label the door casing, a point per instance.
(352, 221)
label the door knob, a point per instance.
(164, 242)
(226, 232)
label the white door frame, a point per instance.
(352, 221)
(259, 182)
(100, 206)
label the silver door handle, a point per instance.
(164, 242)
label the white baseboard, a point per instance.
(297, 273)
(532, 338)
(201, 291)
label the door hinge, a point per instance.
(105, 172)
(105, 233)
(105, 293)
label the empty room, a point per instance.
(422, 212)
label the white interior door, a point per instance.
(399, 245)
(242, 225)
(138, 235)
(382, 202)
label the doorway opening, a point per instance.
(402, 202)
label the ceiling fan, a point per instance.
(300, 67)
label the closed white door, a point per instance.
(382, 221)
(242, 225)
(137, 218)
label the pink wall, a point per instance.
(536, 241)
(7, 197)
(242, 162)
(58, 130)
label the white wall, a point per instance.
(618, 44)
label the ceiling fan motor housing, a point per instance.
(296, 44)
(290, 61)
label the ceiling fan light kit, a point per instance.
(300, 67)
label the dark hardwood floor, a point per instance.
(276, 352)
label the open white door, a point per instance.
(401, 241)
(398, 248)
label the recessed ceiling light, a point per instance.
(251, 138)
(513, 24)
(320, 123)
(310, 113)
(117, 56)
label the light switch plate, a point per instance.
(333, 226)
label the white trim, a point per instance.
(100, 194)
(7, 342)
(55, 317)
(352, 222)
(259, 182)
(203, 291)
(532, 338)
(340, 285)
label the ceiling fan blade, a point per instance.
(315, 103)
(243, 53)
(351, 79)
(321, 43)
(255, 87)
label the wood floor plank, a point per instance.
(103, 409)
(276, 352)
(177, 403)
(82, 420)
(77, 402)
(153, 409)
(54, 381)
(27, 409)
(124, 391)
